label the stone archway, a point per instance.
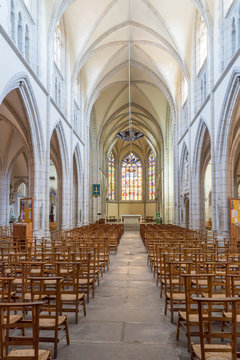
(56, 181)
(22, 143)
(228, 154)
(201, 159)
(186, 212)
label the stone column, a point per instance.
(4, 199)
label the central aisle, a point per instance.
(125, 321)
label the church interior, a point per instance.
(119, 179)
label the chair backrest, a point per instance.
(6, 289)
(196, 285)
(213, 332)
(48, 288)
(70, 273)
(33, 324)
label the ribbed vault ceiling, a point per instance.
(160, 33)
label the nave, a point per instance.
(126, 318)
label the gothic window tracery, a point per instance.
(151, 176)
(111, 177)
(12, 20)
(58, 46)
(20, 33)
(202, 46)
(186, 175)
(131, 178)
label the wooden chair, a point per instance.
(71, 298)
(7, 339)
(210, 350)
(50, 318)
(174, 282)
(233, 285)
(195, 285)
(86, 281)
(6, 295)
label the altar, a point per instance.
(131, 219)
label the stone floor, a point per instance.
(126, 318)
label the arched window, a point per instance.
(233, 37)
(202, 46)
(184, 89)
(75, 90)
(12, 20)
(27, 44)
(111, 177)
(22, 190)
(58, 46)
(151, 176)
(131, 178)
(20, 33)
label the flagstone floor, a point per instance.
(126, 318)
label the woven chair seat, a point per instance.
(218, 355)
(28, 353)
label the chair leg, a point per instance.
(76, 313)
(171, 311)
(55, 348)
(166, 304)
(84, 306)
(67, 332)
(178, 327)
(88, 290)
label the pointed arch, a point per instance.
(62, 147)
(226, 129)
(21, 82)
(201, 158)
(59, 156)
(184, 156)
(227, 148)
(80, 186)
(202, 133)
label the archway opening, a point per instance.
(208, 196)
(186, 208)
(16, 156)
(53, 196)
(75, 194)
(55, 185)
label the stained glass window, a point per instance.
(202, 44)
(58, 45)
(151, 176)
(131, 178)
(111, 177)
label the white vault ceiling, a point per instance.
(160, 33)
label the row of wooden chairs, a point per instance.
(42, 282)
(200, 280)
